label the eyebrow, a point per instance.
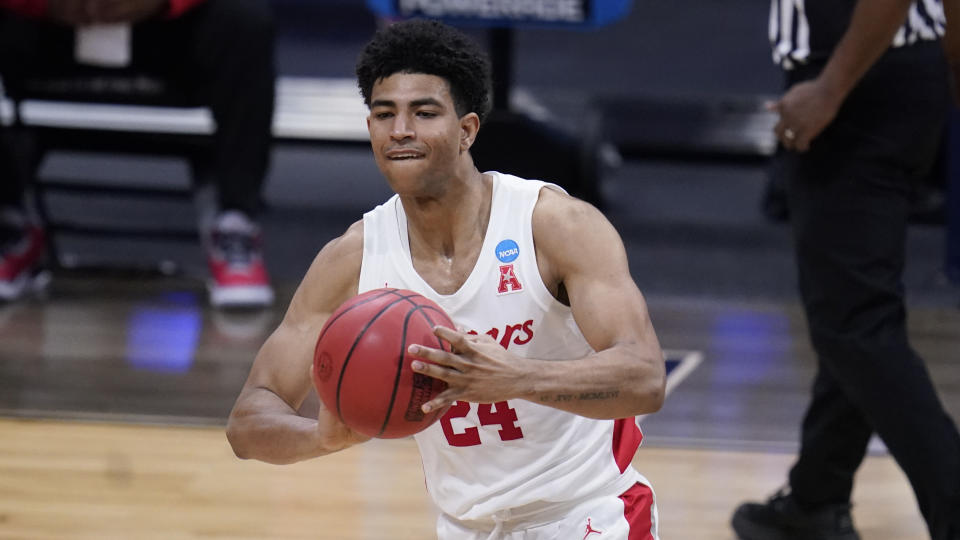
(415, 103)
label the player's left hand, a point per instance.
(805, 111)
(478, 370)
(125, 11)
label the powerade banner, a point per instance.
(581, 13)
(563, 11)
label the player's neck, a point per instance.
(452, 225)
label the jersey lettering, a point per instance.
(489, 414)
(521, 333)
(500, 413)
(527, 331)
(469, 437)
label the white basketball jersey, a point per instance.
(482, 459)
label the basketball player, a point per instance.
(556, 353)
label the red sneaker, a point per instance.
(21, 253)
(238, 277)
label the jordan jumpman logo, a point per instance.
(590, 530)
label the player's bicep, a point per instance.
(605, 301)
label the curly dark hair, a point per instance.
(431, 48)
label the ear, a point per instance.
(469, 127)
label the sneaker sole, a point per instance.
(241, 296)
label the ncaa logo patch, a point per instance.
(507, 251)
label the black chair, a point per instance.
(106, 111)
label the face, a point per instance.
(418, 140)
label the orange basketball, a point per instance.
(361, 367)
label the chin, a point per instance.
(403, 179)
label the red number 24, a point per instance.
(490, 414)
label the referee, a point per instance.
(867, 94)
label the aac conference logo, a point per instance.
(507, 252)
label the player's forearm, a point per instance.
(273, 438)
(871, 31)
(620, 382)
(261, 429)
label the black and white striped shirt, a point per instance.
(808, 30)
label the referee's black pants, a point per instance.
(849, 200)
(220, 53)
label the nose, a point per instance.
(401, 128)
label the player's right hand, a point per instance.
(334, 434)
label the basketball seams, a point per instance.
(420, 309)
(347, 333)
(400, 364)
(337, 315)
(356, 341)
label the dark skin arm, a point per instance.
(264, 423)
(810, 106)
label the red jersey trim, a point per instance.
(626, 439)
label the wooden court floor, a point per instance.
(79, 480)
(112, 408)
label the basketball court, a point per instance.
(115, 387)
(114, 393)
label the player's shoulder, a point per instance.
(350, 243)
(570, 233)
(558, 214)
(345, 250)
